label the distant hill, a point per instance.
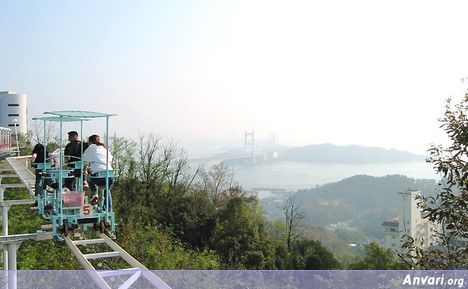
(367, 191)
(352, 154)
(361, 201)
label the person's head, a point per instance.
(39, 148)
(72, 135)
(94, 139)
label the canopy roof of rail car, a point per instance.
(78, 114)
(62, 119)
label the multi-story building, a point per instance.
(14, 111)
(409, 222)
(391, 233)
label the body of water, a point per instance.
(298, 175)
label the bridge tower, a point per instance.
(249, 145)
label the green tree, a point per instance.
(157, 209)
(449, 208)
(158, 249)
(282, 257)
(155, 190)
(240, 237)
(25, 143)
(377, 258)
(311, 255)
(192, 217)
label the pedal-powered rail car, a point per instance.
(67, 210)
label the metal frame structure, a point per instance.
(11, 243)
(135, 271)
(67, 218)
(19, 165)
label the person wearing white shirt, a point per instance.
(96, 155)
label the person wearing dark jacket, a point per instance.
(38, 154)
(73, 154)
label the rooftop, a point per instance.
(391, 222)
(410, 192)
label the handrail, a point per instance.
(26, 176)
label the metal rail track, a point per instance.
(136, 270)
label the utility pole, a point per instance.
(16, 136)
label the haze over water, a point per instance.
(297, 175)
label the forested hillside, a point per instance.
(346, 212)
(362, 201)
(204, 212)
(172, 218)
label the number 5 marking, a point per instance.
(86, 209)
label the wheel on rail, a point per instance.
(66, 228)
(102, 226)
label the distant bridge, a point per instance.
(241, 158)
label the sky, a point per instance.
(372, 73)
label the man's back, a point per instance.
(73, 150)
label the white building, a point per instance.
(14, 111)
(391, 233)
(409, 222)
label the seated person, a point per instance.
(95, 155)
(37, 157)
(73, 154)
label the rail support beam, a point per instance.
(12, 248)
(4, 225)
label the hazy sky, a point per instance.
(373, 73)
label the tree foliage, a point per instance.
(312, 255)
(377, 258)
(24, 143)
(240, 236)
(449, 209)
(172, 216)
(294, 246)
(159, 249)
(201, 208)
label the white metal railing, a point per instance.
(136, 270)
(21, 165)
